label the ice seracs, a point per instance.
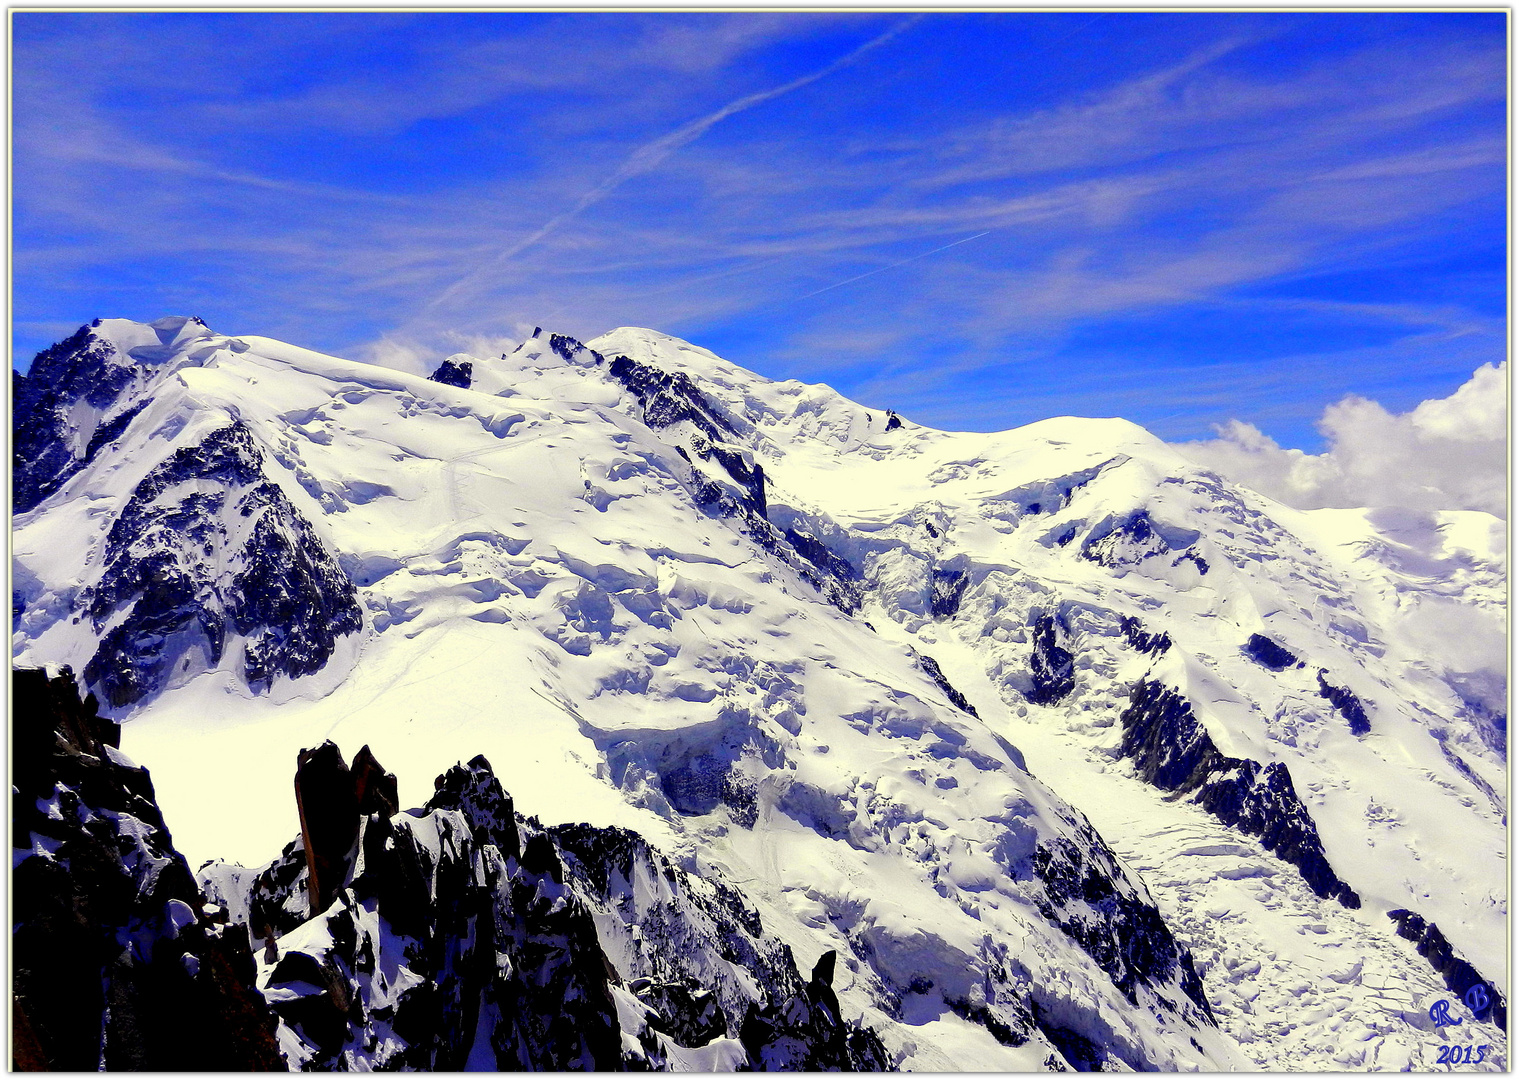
(918, 694)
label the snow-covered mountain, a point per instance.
(1073, 753)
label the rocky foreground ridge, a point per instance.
(455, 936)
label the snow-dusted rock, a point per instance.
(447, 941)
(118, 963)
(913, 692)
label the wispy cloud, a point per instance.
(651, 155)
(793, 186)
(890, 266)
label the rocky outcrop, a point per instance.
(946, 589)
(454, 373)
(1459, 975)
(737, 487)
(1346, 704)
(931, 668)
(806, 1033)
(1128, 541)
(1124, 542)
(1172, 750)
(78, 368)
(205, 508)
(461, 935)
(434, 939)
(82, 394)
(1270, 654)
(328, 804)
(119, 962)
(1140, 639)
(567, 348)
(695, 951)
(820, 555)
(1052, 669)
(668, 397)
(1116, 925)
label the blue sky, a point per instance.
(979, 220)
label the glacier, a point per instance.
(1073, 753)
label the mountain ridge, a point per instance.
(709, 586)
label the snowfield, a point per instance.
(1025, 725)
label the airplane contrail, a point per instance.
(651, 154)
(893, 266)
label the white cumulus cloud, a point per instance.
(1446, 454)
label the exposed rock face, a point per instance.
(454, 373)
(329, 808)
(1052, 667)
(1140, 639)
(1348, 705)
(474, 790)
(567, 347)
(118, 962)
(669, 397)
(207, 545)
(78, 396)
(1269, 654)
(437, 939)
(947, 587)
(700, 430)
(691, 939)
(77, 368)
(823, 557)
(1124, 542)
(1173, 751)
(805, 1034)
(1135, 538)
(374, 789)
(433, 939)
(834, 576)
(1459, 975)
(205, 549)
(931, 668)
(1116, 925)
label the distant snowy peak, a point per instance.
(602, 528)
(818, 650)
(777, 412)
(1289, 658)
(80, 394)
(545, 366)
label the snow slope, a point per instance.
(875, 676)
(1404, 610)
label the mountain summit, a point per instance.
(1070, 753)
